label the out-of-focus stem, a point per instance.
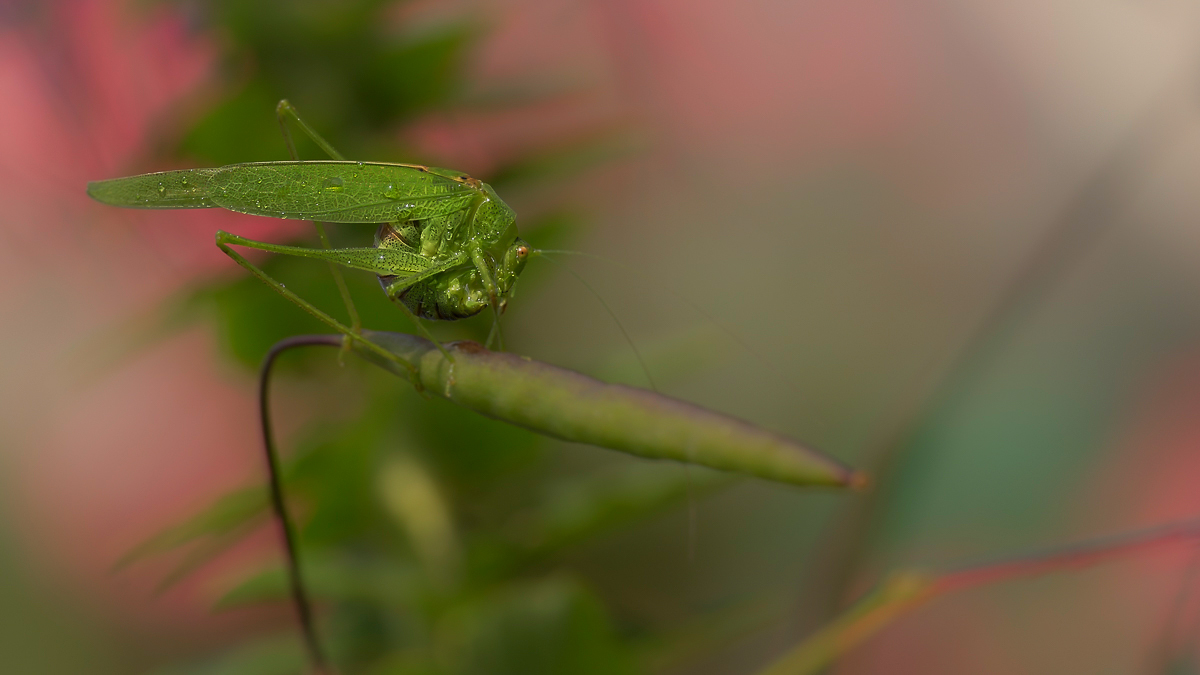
(905, 591)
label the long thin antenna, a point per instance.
(608, 309)
(687, 468)
(696, 307)
(299, 593)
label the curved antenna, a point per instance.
(621, 326)
(763, 361)
(296, 585)
(687, 468)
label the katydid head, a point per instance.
(510, 267)
(467, 290)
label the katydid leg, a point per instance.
(395, 287)
(393, 291)
(283, 111)
(222, 243)
(484, 266)
(384, 261)
(495, 333)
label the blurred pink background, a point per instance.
(852, 184)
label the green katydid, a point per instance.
(447, 249)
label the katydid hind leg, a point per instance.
(316, 312)
(368, 259)
(394, 289)
(283, 111)
(340, 281)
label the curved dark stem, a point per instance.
(274, 479)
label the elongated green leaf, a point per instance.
(329, 576)
(227, 515)
(897, 594)
(548, 627)
(582, 509)
(270, 655)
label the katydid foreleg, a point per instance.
(484, 266)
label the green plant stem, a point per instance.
(904, 591)
(1085, 219)
(554, 402)
(296, 585)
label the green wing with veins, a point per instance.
(329, 191)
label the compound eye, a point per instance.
(522, 251)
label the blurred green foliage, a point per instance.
(429, 535)
(357, 74)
